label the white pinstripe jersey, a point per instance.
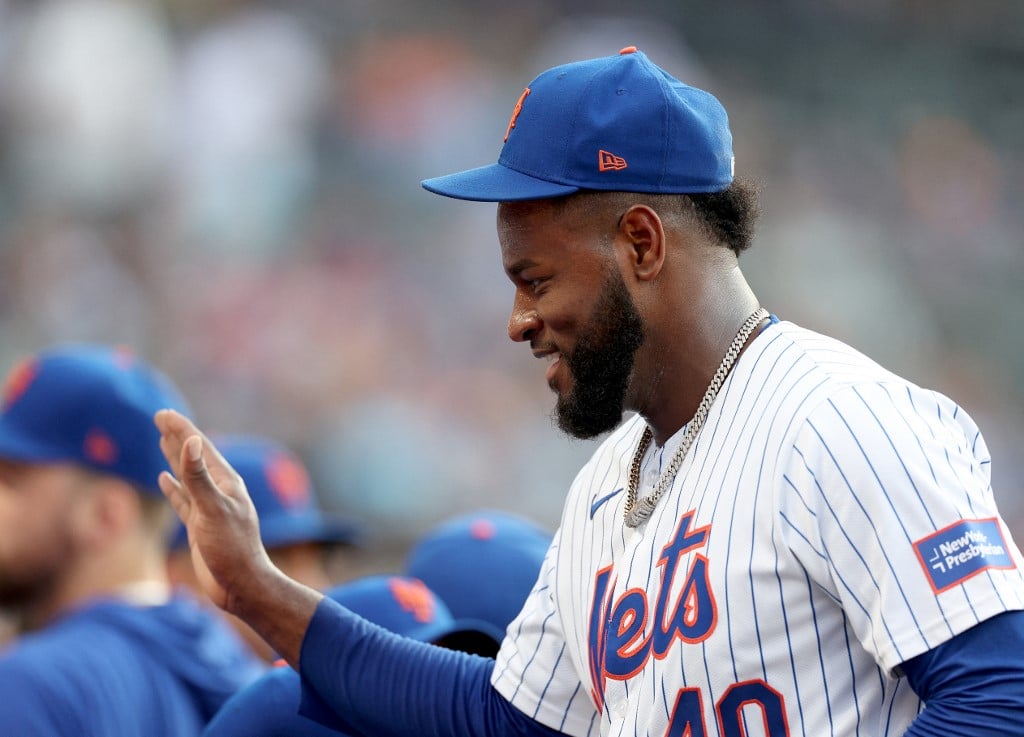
(831, 521)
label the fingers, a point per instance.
(195, 475)
(201, 474)
(176, 495)
(175, 430)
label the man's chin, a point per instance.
(583, 427)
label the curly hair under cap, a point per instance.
(728, 216)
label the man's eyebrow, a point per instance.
(517, 267)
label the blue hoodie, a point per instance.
(111, 669)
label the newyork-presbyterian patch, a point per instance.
(961, 550)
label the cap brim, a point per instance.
(469, 641)
(495, 183)
(17, 447)
(283, 531)
(470, 624)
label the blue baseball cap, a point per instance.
(617, 123)
(482, 565)
(90, 405)
(285, 500)
(402, 604)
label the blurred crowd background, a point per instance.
(232, 189)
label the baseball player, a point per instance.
(783, 538)
(297, 534)
(105, 648)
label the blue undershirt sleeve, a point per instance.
(974, 683)
(362, 679)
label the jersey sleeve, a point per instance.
(886, 500)
(533, 671)
(973, 683)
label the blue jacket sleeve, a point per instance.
(375, 682)
(974, 683)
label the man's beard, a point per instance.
(36, 576)
(19, 592)
(601, 364)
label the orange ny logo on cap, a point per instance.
(288, 481)
(414, 597)
(19, 380)
(100, 447)
(515, 113)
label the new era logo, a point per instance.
(607, 161)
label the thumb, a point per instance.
(194, 472)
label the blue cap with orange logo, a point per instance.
(284, 497)
(90, 405)
(402, 604)
(482, 565)
(617, 123)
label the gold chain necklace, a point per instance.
(637, 513)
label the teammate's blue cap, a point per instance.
(89, 405)
(617, 123)
(285, 500)
(402, 604)
(482, 565)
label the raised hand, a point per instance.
(211, 500)
(231, 563)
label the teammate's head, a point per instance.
(607, 164)
(79, 461)
(483, 566)
(402, 604)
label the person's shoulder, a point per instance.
(831, 354)
(193, 641)
(37, 691)
(809, 362)
(72, 637)
(38, 666)
(836, 380)
(269, 706)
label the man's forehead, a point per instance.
(14, 468)
(513, 213)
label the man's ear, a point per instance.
(643, 233)
(110, 508)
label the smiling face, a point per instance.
(573, 307)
